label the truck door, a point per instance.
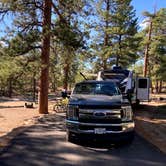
(143, 88)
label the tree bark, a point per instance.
(147, 50)
(43, 98)
(104, 64)
(10, 87)
(34, 88)
(160, 86)
(66, 75)
(120, 47)
(157, 86)
(106, 37)
(152, 89)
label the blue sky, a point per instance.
(139, 6)
(147, 5)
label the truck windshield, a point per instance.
(109, 89)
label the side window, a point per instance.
(142, 83)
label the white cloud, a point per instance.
(144, 24)
(2, 43)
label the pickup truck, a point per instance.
(97, 109)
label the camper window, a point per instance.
(142, 83)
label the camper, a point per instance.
(137, 88)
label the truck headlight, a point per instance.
(127, 113)
(72, 112)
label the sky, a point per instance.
(147, 5)
(139, 6)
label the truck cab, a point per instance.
(98, 109)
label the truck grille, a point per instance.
(111, 128)
(105, 121)
(113, 116)
(118, 106)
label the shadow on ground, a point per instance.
(151, 111)
(44, 144)
(1, 107)
(151, 124)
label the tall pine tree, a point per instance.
(123, 29)
(115, 29)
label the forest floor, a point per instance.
(14, 117)
(13, 114)
(150, 120)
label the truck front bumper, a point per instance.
(89, 128)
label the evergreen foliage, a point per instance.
(116, 30)
(157, 47)
(86, 36)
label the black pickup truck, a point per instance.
(97, 109)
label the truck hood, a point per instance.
(96, 100)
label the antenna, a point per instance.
(83, 76)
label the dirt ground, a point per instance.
(13, 114)
(150, 119)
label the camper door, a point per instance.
(143, 88)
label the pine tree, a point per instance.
(69, 34)
(123, 29)
(157, 51)
(154, 46)
(35, 16)
(116, 27)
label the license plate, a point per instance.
(100, 130)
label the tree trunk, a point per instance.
(106, 37)
(147, 50)
(10, 88)
(120, 47)
(157, 86)
(117, 60)
(160, 86)
(66, 75)
(43, 100)
(54, 85)
(105, 64)
(34, 88)
(152, 89)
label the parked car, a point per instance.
(98, 109)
